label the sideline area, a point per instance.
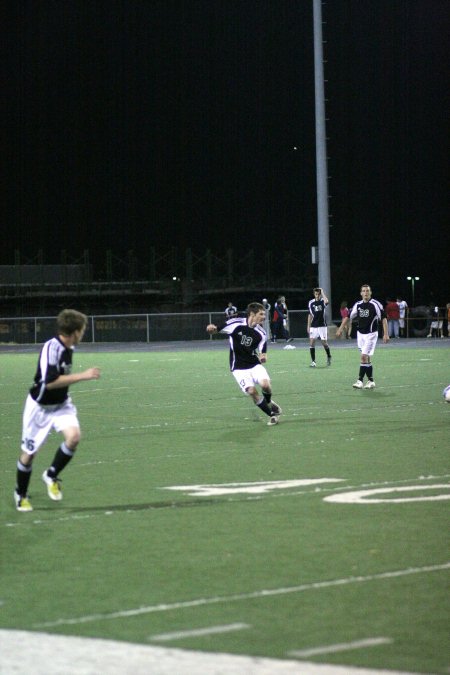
(23, 653)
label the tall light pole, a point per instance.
(321, 157)
(413, 281)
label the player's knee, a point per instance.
(26, 459)
(265, 386)
(72, 437)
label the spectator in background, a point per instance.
(280, 320)
(436, 323)
(230, 311)
(403, 309)
(448, 318)
(393, 318)
(345, 313)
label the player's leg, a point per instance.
(266, 389)
(369, 350)
(65, 422)
(36, 425)
(312, 350)
(324, 339)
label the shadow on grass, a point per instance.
(149, 506)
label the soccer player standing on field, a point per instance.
(369, 313)
(49, 406)
(317, 325)
(248, 351)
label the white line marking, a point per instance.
(165, 607)
(25, 522)
(365, 496)
(260, 487)
(340, 647)
(198, 632)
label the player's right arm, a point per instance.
(73, 378)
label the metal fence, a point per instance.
(167, 327)
(130, 327)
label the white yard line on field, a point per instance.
(340, 647)
(263, 593)
(198, 632)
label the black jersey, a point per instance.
(317, 310)
(245, 343)
(55, 359)
(368, 314)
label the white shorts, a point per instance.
(250, 376)
(320, 333)
(401, 323)
(436, 325)
(39, 420)
(367, 342)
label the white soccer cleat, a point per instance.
(22, 503)
(272, 421)
(370, 385)
(313, 364)
(53, 487)
(358, 385)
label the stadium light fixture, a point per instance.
(413, 282)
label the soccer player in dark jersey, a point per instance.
(49, 406)
(369, 314)
(317, 325)
(248, 353)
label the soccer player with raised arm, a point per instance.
(317, 325)
(49, 406)
(248, 353)
(369, 314)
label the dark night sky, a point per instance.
(135, 123)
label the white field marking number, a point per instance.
(214, 490)
(367, 496)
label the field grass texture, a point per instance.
(183, 511)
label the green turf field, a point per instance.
(279, 568)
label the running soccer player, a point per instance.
(248, 353)
(48, 406)
(317, 325)
(369, 313)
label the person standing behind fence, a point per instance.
(436, 323)
(345, 313)
(49, 406)
(230, 310)
(317, 325)
(393, 317)
(280, 321)
(403, 309)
